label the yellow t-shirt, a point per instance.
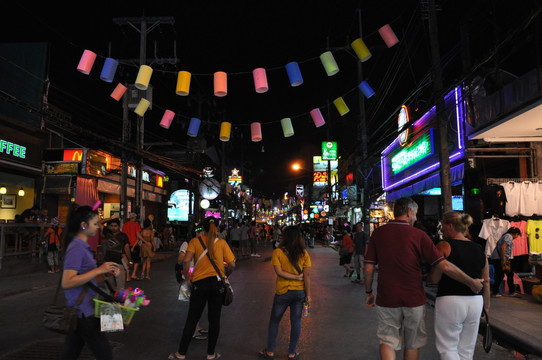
(204, 269)
(280, 259)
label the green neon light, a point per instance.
(9, 148)
(329, 150)
(420, 148)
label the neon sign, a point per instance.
(402, 121)
(12, 149)
(73, 155)
(235, 178)
(329, 150)
(420, 148)
(319, 177)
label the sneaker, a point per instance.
(257, 255)
(498, 295)
(51, 272)
(356, 281)
(516, 294)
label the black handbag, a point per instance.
(62, 319)
(228, 290)
(487, 333)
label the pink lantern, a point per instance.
(86, 62)
(388, 35)
(167, 118)
(256, 131)
(118, 92)
(260, 80)
(317, 117)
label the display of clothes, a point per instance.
(534, 236)
(492, 230)
(520, 243)
(494, 200)
(523, 198)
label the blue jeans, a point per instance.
(294, 299)
(88, 332)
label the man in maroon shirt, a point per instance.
(398, 248)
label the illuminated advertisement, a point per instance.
(329, 150)
(178, 205)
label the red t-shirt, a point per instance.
(131, 228)
(399, 249)
(347, 243)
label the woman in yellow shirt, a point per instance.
(292, 289)
(206, 286)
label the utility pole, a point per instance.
(444, 154)
(146, 25)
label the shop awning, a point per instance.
(57, 184)
(430, 182)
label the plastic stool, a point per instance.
(517, 281)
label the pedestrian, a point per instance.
(147, 249)
(133, 230)
(207, 288)
(457, 307)
(52, 237)
(117, 250)
(80, 268)
(361, 239)
(277, 233)
(312, 235)
(346, 251)
(235, 236)
(244, 240)
(200, 333)
(253, 238)
(292, 265)
(263, 235)
(500, 259)
(398, 248)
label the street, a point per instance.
(340, 326)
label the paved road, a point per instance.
(340, 325)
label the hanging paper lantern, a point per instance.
(329, 63)
(361, 50)
(118, 92)
(142, 107)
(317, 117)
(221, 83)
(366, 89)
(341, 106)
(225, 130)
(388, 35)
(167, 118)
(86, 62)
(143, 77)
(183, 83)
(260, 80)
(287, 128)
(193, 128)
(294, 74)
(109, 70)
(256, 131)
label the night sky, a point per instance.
(237, 37)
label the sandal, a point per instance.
(203, 331)
(295, 357)
(264, 355)
(216, 356)
(135, 277)
(200, 337)
(176, 355)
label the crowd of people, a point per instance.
(398, 248)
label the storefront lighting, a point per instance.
(21, 192)
(3, 189)
(204, 204)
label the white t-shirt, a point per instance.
(513, 197)
(528, 204)
(492, 230)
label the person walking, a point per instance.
(133, 230)
(117, 247)
(147, 249)
(361, 239)
(500, 259)
(292, 264)
(398, 248)
(207, 288)
(346, 251)
(253, 237)
(235, 237)
(244, 240)
(457, 307)
(80, 268)
(52, 236)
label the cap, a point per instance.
(132, 215)
(198, 228)
(55, 221)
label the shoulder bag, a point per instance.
(228, 290)
(487, 333)
(62, 319)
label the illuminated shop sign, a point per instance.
(9, 148)
(329, 150)
(72, 155)
(235, 178)
(319, 177)
(402, 121)
(420, 148)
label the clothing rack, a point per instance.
(499, 181)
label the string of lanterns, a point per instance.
(220, 84)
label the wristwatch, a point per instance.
(369, 292)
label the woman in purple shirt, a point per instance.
(80, 268)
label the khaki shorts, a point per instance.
(396, 325)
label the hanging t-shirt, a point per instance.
(538, 197)
(520, 243)
(512, 191)
(534, 234)
(528, 204)
(492, 230)
(494, 199)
